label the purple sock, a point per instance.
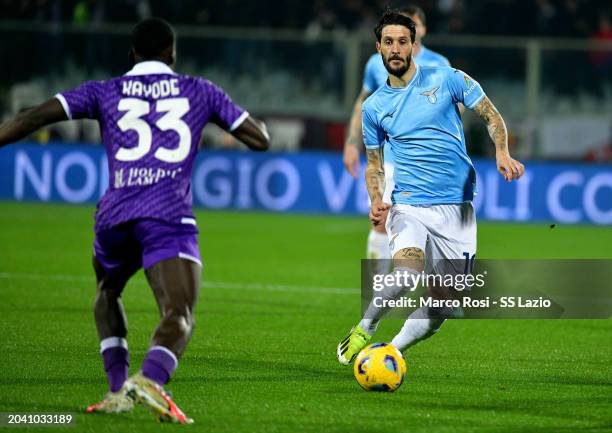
(159, 364)
(116, 361)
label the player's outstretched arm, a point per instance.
(375, 181)
(510, 168)
(253, 133)
(30, 120)
(352, 145)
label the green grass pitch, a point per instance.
(278, 293)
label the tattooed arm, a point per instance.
(510, 168)
(375, 181)
(495, 124)
(375, 174)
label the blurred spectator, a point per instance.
(368, 19)
(544, 17)
(602, 60)
(87, 12)
(349, 14)
(324, 18)
(570, 20)
(456, 19)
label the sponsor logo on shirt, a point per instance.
(470, 85)
(468, 80)
(390, 114)
(136, 176)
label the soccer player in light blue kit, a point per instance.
(375, 76)
(431, 223)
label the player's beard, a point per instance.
(398, 72)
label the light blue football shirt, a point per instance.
(422, 126)
(375, 74)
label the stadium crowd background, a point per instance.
(567, 18)
(546, 63)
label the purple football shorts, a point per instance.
(125, 248)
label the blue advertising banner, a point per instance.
(312, 182)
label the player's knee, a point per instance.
(104, 301)
(181, 320)
(185, 324)
(411, 258)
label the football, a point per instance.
(380, 367)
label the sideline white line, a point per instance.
(206, 284)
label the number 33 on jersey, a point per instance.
(151, 120)
(174, 109)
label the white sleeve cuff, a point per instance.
(239, 121)
(473, 104)
(64, 103)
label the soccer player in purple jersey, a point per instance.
(151, 120)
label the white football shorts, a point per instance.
(444, 232)
(389, 183)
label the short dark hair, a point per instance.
(151, 37)
(413, 10)
(395, 17)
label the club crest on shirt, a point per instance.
(431, 95)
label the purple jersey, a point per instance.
(151, 120)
